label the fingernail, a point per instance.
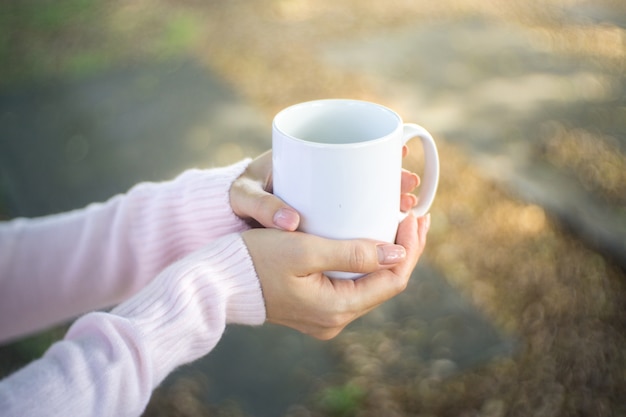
(286, 219)
(390, 254)
(427, 221)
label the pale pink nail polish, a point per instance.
(390, 254)
(286, 219)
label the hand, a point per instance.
(298, 295)
(251, 195)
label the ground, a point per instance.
(522, 260)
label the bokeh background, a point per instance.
(518, 305)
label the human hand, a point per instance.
(298, 295)
(251, 195)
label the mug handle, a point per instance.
(430, 178)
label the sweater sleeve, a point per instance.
(57, 267)
(109, 363)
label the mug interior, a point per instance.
(337, 121)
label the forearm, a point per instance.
(109, 363)
(56, 267)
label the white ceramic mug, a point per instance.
(339, 164)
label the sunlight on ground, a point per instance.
(512, 259)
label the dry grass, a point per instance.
(595, 159)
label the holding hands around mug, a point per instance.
(290, 265)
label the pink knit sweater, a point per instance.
(172, 250)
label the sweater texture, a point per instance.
(170, 260)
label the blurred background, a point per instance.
(517, 307)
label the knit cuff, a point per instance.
(182, 314)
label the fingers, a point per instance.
(251, 197)
(298, 295)
(261, 170)
(411, 235)
(410, 181)
(379, 287)
(407, 202)
(359, 255)
(251, 201)
(423, 228)
(353, 299)
(366, 256)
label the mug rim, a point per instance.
(320, 102)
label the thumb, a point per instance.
(254, 202)
(360, 255)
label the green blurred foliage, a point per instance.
(341, 401)
(180, 32)
(74, 38)
(51, 16)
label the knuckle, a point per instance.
(327, 322)
(400, 285)
(265, 205)
(357, 259)
(331, 321)
(342, 316)
(336, 321)
(325, 332)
